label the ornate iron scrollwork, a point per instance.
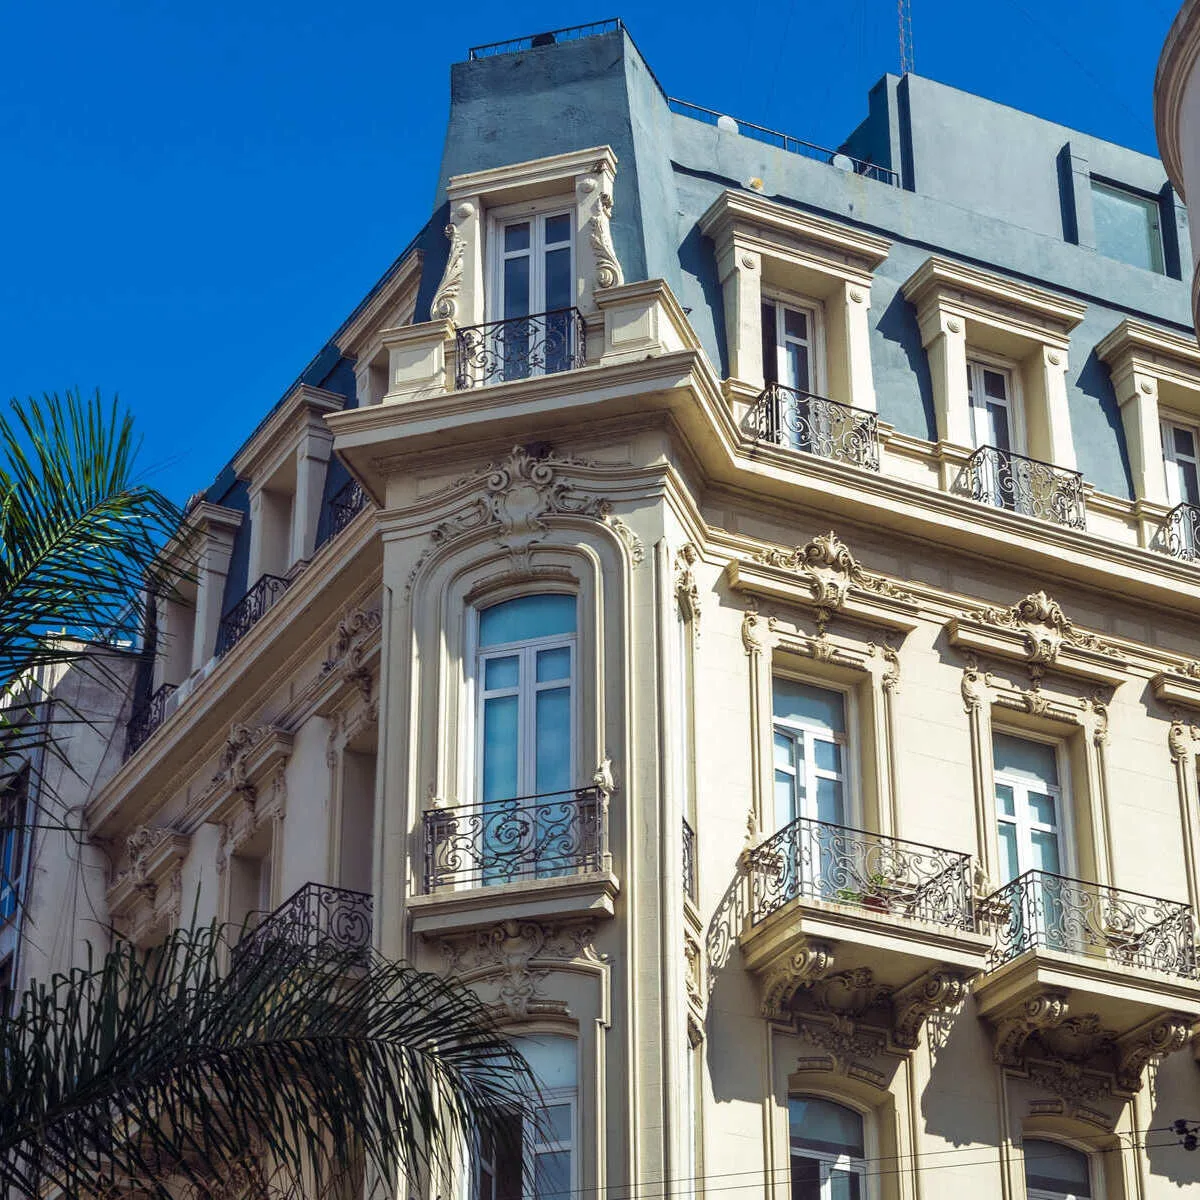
(249, 610)
(1005, 479)
(146, 718)
(315, 917)
(816, 425)
(344, 506)
(539, 344)
(1180, 533)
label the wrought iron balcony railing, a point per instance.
(540, 344)
(1005, 479)
(1180, 533)
(146, 718)
(817, 425)
(819, 861)
(527, 837)
(1039, 909)
(689, 860)
(344, 505)
(315, 917)
(249, 610)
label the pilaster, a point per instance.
(216, 528)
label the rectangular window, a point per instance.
(990, 395)
(1128, 226)
(12, 845)
(790, 345)
(810, 753)
(1182, 462)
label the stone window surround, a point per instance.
(764, 247)
(1155, 374)
(285, 465)
(583, 178)
(962, 308)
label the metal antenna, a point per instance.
(904, 13)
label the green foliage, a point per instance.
(160, 1069)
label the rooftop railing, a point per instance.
(146, 718)
(1180, 533)
(315, 917)
(816, 425)
(249, 610)
(550, 37)
(785, 141)
(816, 860)
(1005, 479)
(517, 348)
(527, 837)
(1053, 912)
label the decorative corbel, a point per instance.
(1165, 1034)
(938, 991)
(1010, 1034)
(811, 961)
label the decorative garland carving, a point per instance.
(519, 494)
(1045, 628)
(608, 268)
(518, 955)
(831, 571)
(445, 300)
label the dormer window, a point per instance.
(1182, 463)
(534, 269)
(791, 347)
(993, 412)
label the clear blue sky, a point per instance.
(195, 195)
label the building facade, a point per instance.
(731, 603)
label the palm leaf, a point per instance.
(159, 1069)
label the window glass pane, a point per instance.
(1127, 227)
(550, 1058)
(817, 1124)
(770, 350)
(1056, 1168)
(798, 375)
(785, 799)
(552, 1175)
(555, 1124)
(806, 1178)
(553, 740)
(558, 279)
(829, 802)
(1004, 800)
(554, 664)
(1009, 863)
(795, 324)
(1045, 851)
(558, 228)
(1034, 761)
(995, 384)
(516, 236)
(501, 673)
(1189, 488)
(500, 748)
(807, 705)
(526, 617)
(1042, 809)
(998, 431)
(783, 750)
(1183, 441)
(516, 287)
(828, 756)
(843, 1185)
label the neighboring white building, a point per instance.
(733, 604)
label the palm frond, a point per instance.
(80, 535)
(159, 1068)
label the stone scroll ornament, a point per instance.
(608, 268)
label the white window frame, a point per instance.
(15, 807)
(1061, 794)
(526, 651)
(814, 313)
(977, 363)
(839, 1162)
(1168, 423)
(851, 814)
(1152, 205)
(1095, 1183)
(536, 212)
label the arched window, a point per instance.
(827, 1154)
(1056, 1172)
(526, 680)
(537, 1159)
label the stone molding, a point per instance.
(250, 786)
(146, 897)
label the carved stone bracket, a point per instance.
(800, 969)
(250, 785)
(147, 895)
(937, 991)
(517, 956)
(1013, 1030)
(445, 300)
(356, 637)
(593, 193)
(519, 495)
(1165, 1034)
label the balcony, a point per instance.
(547, 853)
(315, 917)
(249, 610)
(1024, 485)
(1180, 533)
(816, 425)
(146, 718)
(344, 505)
(1068, 951)
(519, 348)
(689, 861)
(895, 917)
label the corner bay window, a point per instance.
(533, 1156)
(1055, 1172)
(826, 1149)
